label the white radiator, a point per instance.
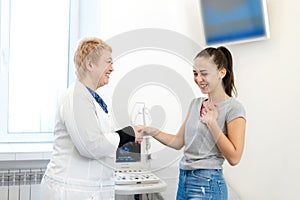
(20, 184)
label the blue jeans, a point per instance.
(202, 184)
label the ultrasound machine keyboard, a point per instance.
(128, 177)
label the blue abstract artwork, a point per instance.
(233, 20)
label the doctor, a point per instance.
(84, 142)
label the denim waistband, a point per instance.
(203, 171)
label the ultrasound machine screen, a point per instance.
(129, 152)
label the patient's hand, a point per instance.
(147, 130)
(138, 134)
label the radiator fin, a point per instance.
(20, 184)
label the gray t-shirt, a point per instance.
(201, 151)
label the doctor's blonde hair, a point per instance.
(88, 50)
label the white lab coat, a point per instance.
(81, 166)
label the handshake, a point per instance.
(141, 131)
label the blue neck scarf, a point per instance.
(99, 100)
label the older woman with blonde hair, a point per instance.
(84, 142)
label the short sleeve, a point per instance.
(236, 110)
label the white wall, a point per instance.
(266, 78)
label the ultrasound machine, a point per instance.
(133, 173)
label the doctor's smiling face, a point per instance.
(93, 62)
(103, 68)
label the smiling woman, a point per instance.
(84, 134)
(34, 66)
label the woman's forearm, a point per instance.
(169, 140)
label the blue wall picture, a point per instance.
(229, 21)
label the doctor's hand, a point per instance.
(147, 130)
